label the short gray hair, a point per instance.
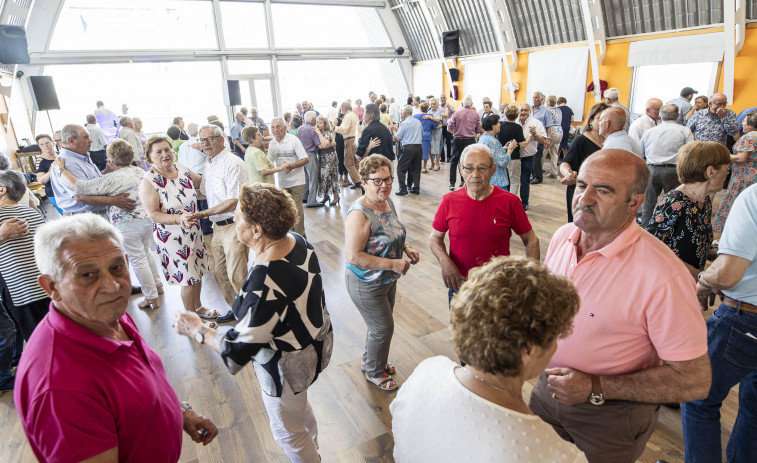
(51, 238)
(125, 121)
(217, 131)
(407, 110)
(373, 110)
(432, 100)
(468, 102)
(14, 185)
(541, 95)
(5, 163)
(70, 131)
(310, 117)
(476, 147)
(669, 112)
(612, 93)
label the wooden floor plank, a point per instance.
(353, 416)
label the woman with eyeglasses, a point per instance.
(48, 157)
(374, 246)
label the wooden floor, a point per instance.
(353, 416)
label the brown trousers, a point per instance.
(615, 432)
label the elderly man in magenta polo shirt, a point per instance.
(638, 339)
(75, 151)
(88, 385)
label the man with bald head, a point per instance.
(714, 123)
(650, 118)
(611, 129)
(638, 339)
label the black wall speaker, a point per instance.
(451, 42)
(13, 48)
(43, 93)
(454, 74)
(232, 95)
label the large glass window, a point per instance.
(322, 26)
(323, 81)
(244, 25)
(154, 92)
(249, 66)
(136, 24)
(665, 82)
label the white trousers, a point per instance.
(293, 425)
(139, 246)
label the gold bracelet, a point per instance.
(407, 246)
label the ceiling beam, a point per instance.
(734, 26)
(595, 33)
(506, 41)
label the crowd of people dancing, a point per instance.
(609, 323)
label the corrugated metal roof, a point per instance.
(546, 22)
(416, 30)
(628, 17)
(751, 9)
(471, 18)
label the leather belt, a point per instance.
(465, 138)
(739, 305)
(221, 223)
(348, 138)
(662, 165)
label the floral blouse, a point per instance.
(684, 226)
(501, 158)
(124, 180)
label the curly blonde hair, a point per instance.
(372, 164)
(507, 307)
(120, 152)
(269, 207)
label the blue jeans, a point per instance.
(733, 356)
(11, 344)
(526, 167)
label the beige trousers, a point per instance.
(230, 256)
(554, 152)
(350, 161)
(296, 192)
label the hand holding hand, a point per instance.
(568, 386)
(199, 427)
(401, 266)
(532, 129)
(190, 218)
(706, 296)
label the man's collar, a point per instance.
(217, 156)
(628, 236)
(66, 151)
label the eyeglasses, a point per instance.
(721, 103)
(208, 139)
(479, 169)
(58, 139)
(380, 181)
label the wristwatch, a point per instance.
(185, 406)
(200, 335)
(596, 397)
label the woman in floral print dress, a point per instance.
(168, 194)
(743, 170)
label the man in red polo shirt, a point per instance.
(480, 219)
(88, 386)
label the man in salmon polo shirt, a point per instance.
(88, 386)
(638, 339)
(480, 219)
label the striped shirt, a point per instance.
(17, 266)
(660, 145)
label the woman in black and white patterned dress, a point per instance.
(283, 324)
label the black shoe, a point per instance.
(304, 200)
(8, 384)
(415, 192)
(451, 187)
(401, 193)
(229, 317)
(525, 207)
(536, 181)
(355, 186)
(314, 205)
(136, 290)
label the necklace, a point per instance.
(692, 192)
(269, 246)
(491, 385)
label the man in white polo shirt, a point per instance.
(286, 150)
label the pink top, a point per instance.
(465, 123)
(638, 304)
(80, 394)
(479, 230)
(359, 112)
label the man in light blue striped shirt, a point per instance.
(660, 146)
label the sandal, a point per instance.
(208, 314)
(388, 369)
(384, 382)
(145, 303)
(160, 288)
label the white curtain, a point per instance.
(560, 72)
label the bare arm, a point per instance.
(450, 273)
(672, 382)
(43, 177)
(725, 272)
(357, 229)
(739, 158)
(121, 201)
(227, 205)
(531, 242)
(108, 456)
